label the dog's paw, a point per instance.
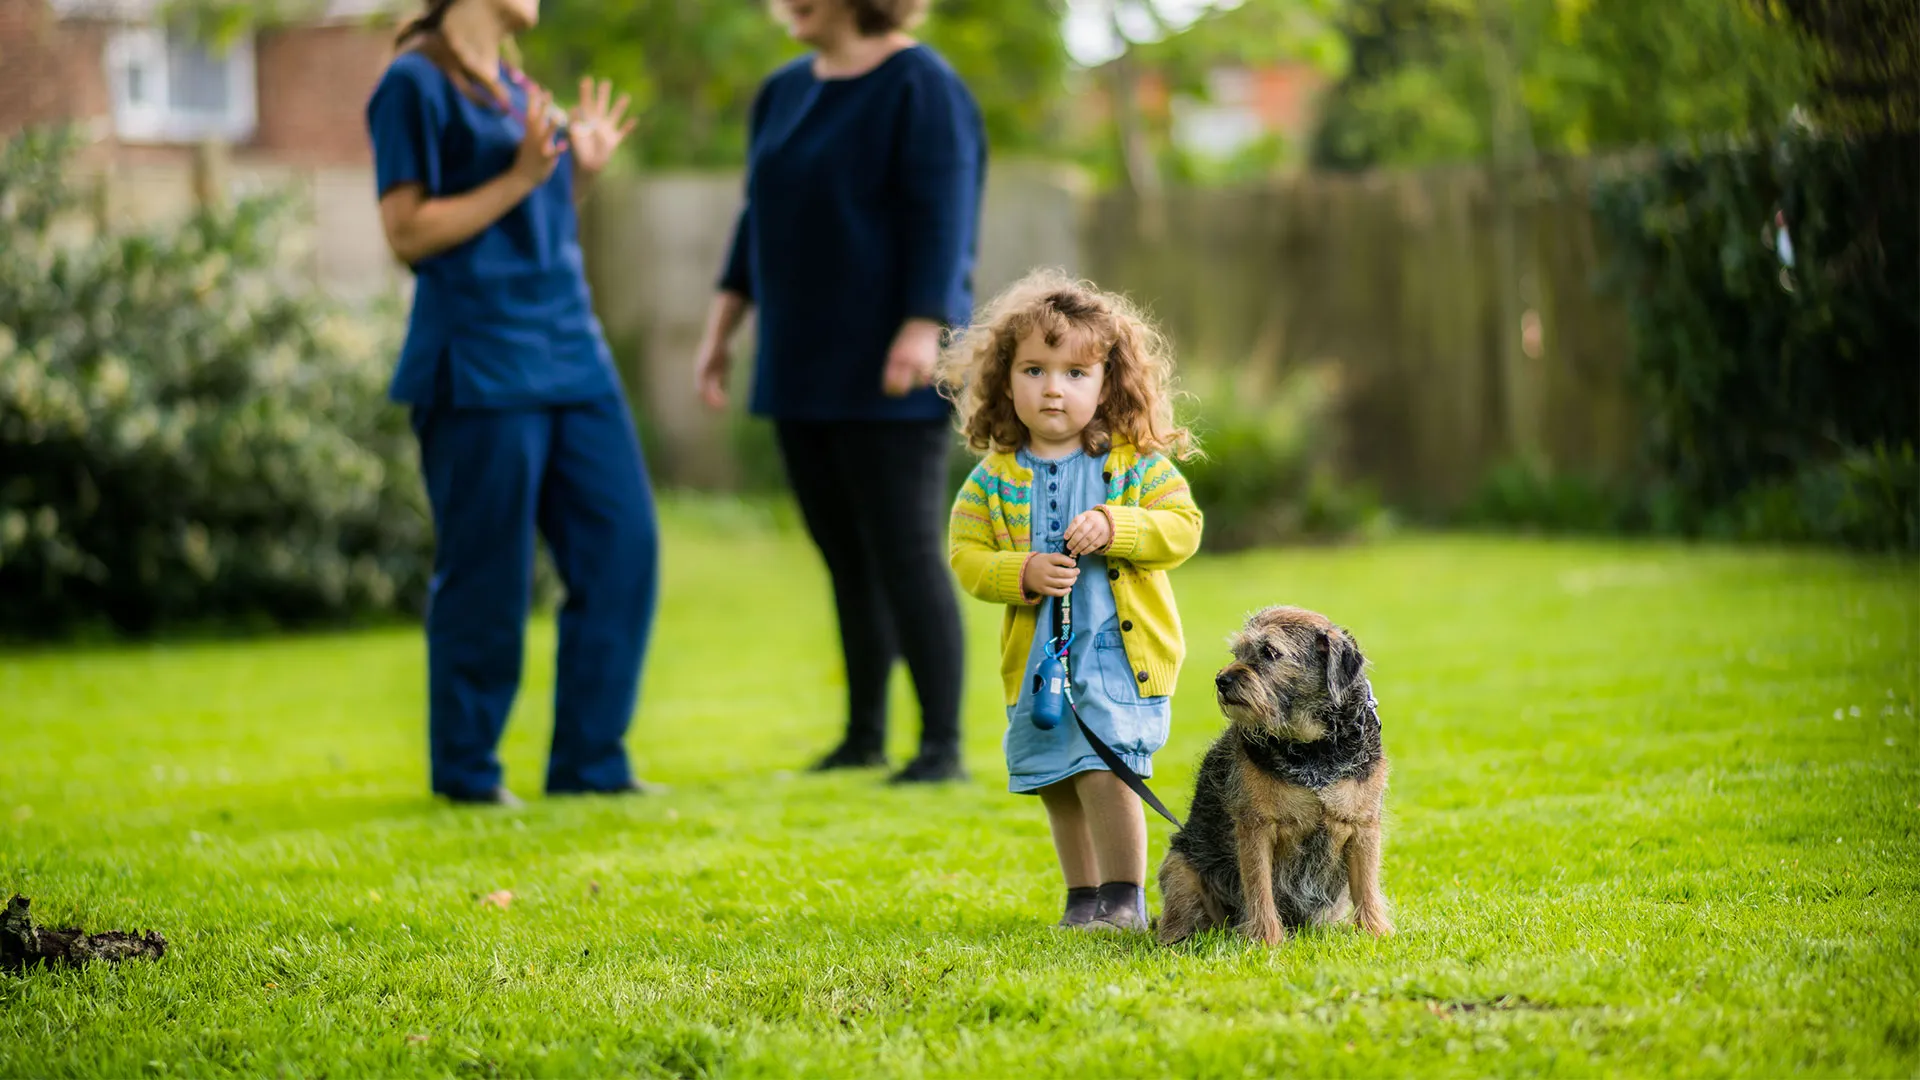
(1269, 933)
(1375, 922)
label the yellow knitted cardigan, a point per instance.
(1156, 527)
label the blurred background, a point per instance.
(1614, 267)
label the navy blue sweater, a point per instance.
(863, 207)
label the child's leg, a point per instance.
(1071, 839)
(1119, 829)
(1074, 845)
(1118, 825)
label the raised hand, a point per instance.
(599, 124)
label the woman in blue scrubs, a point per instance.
(520, 416)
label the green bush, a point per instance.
(1525, 494)
(1270, 472)
(1868, 498)
(183, 438)
(1773, 392)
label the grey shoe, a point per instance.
(1123, 908)
(1083, 906)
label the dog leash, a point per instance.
(1048, 684)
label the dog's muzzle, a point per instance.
(1226, 683)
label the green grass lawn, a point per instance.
(1653, 812)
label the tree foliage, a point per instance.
(1868, 60)
(1251, 34)
(1588, 76)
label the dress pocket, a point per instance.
(1117, 678)
(1129, 723)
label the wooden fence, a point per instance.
(1398, 279)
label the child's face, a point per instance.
(1056, 391)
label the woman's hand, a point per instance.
(710, 374)
(1049, 574)
(540, 148)
(1090, 533)
(420, 226)
(711, 363)
(911, 360)
(598, 125)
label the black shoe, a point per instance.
(930, 770)
(493, 797)
(848, 756)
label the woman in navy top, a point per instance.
(520, 417)
(856, 245)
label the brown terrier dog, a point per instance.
(1284, 831)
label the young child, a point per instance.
(1067, 392)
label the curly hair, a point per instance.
(1136, 402)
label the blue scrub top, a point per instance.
(507, 314)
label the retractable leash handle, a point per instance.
(1052, 676)
(1049, 692)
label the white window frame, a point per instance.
(156, 120)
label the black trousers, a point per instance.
(874, 497)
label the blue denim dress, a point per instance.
(1104, 689)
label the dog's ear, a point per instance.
(1344, 663)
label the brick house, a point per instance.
(1246, 104)
(1243, 105)
(290, 94)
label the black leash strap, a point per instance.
(1120, 768)
(1062, 633)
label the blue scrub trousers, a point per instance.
(493, 476)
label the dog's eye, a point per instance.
(1269, 652)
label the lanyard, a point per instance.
(526, 87)
(1061, 646)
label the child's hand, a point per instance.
(1050, 574)
(1091, 532)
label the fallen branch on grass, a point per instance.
(23, 944)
